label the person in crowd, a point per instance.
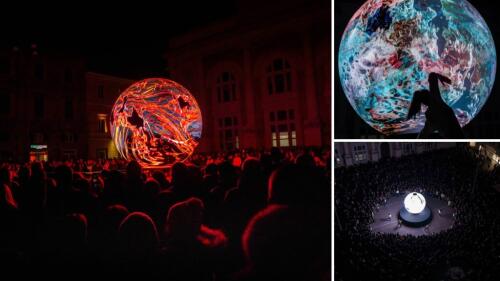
(181, 223)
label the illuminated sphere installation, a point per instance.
(156, 122)
(389, 47)
(414, 203)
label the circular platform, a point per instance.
(382, 224)
(415, 220)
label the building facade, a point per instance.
(51, 108)
(41, 105)
(101, 91)
(262, 78)
(353, 153)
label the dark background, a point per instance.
(125, 38)
(349, 125)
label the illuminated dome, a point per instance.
(156, 122)
(414, 203)
(390, 46)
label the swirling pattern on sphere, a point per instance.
(389, 47)
(156, 122)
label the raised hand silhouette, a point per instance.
(439, 116)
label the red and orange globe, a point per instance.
(156, 122)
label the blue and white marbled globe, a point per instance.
(389, 47)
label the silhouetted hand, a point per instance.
(439, 116)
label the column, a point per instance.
(312, 125)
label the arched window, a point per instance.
(279, 77)
(228, 133)
(283, 131)
(226, 87)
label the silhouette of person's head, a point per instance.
(211, 169)
(184, 220)
(286, 185)
(38, 171)
(251, 174)
(161, 179)
(272, 243)
(227, 174)
(138, 234)
(73, 233)
(23, 174)
(134, 170)
(305, 160)
(114, 215)
(63, 176)
(179, 174)
(300, 186)
(152, 187)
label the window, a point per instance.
(38, 138)
(39, 71)
(69, 154)
(39, 106)
(68, 75)
(68, 108)
(226, 87)
(100, 91)
(283, 133)
(360, 153)
(69, 138)
(428, 146)
(279, 77)
(228, 133)
(408, 148)
(102, 153)
(101, 123)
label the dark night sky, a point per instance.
(125, 39)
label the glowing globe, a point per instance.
(389, 47)
(414, 203)
(156, 122)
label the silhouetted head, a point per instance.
(63, 176)
(152, 187)
(272, 242)
(251, 174)
(73, 232)
(137, 233)
(286, 185)
(179, 173)
(195, 176)
(161, 179)
(300, 186)
(24, 174)
(134, 170)
(84, 186)
(227, 174)
(114, 215)
(305, 160)
(37, 171)
(211, 169)
(184, 219)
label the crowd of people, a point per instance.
(245, 215)
(470, 250)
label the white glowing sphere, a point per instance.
(414, 203)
